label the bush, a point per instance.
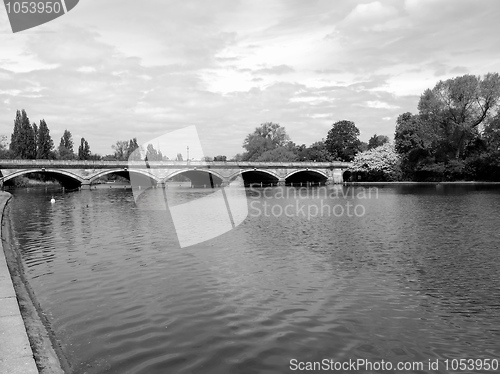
(458, 170)
(430, 172)
(485, 167)
(378, 164)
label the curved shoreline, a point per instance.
(42, 354)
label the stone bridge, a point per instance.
(83, 173)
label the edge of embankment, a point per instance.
(459, 183)
(38, 351)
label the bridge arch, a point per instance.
(122, 172)
(306, 175)
(255, 175)
(199, 177)
(271, 173)
(347, 176)
(305, 171)
(67, 176)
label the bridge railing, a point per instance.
(88, 164)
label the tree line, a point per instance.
(454, 136)
(270, 142)
(31, 141)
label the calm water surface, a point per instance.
(415, 278)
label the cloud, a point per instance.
(115, 70)
(370, 13)
(86, 69)
(328, 71)
(275, 70)
(377, 104)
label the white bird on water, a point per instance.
(52, 200)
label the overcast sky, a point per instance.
(111, 70)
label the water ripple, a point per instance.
(416, 278)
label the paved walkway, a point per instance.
(16, 356)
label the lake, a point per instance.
(412, 275)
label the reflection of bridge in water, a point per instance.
(79, 173)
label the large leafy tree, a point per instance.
(44, 143)
(22, 143)
(416, 142)
(66, 146)
(456, 107)
(281, 154)
(315, 152)
(409, 134)
(152, 154)
(377, 140)
(132, 146)
(266, 137)
(124, 149)
(121, 149)
(84, 150)
(342, 140)
(491, 134)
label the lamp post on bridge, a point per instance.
(187, 154)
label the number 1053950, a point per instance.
(471, 364)
(25, 7)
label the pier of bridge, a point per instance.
(83, 173)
